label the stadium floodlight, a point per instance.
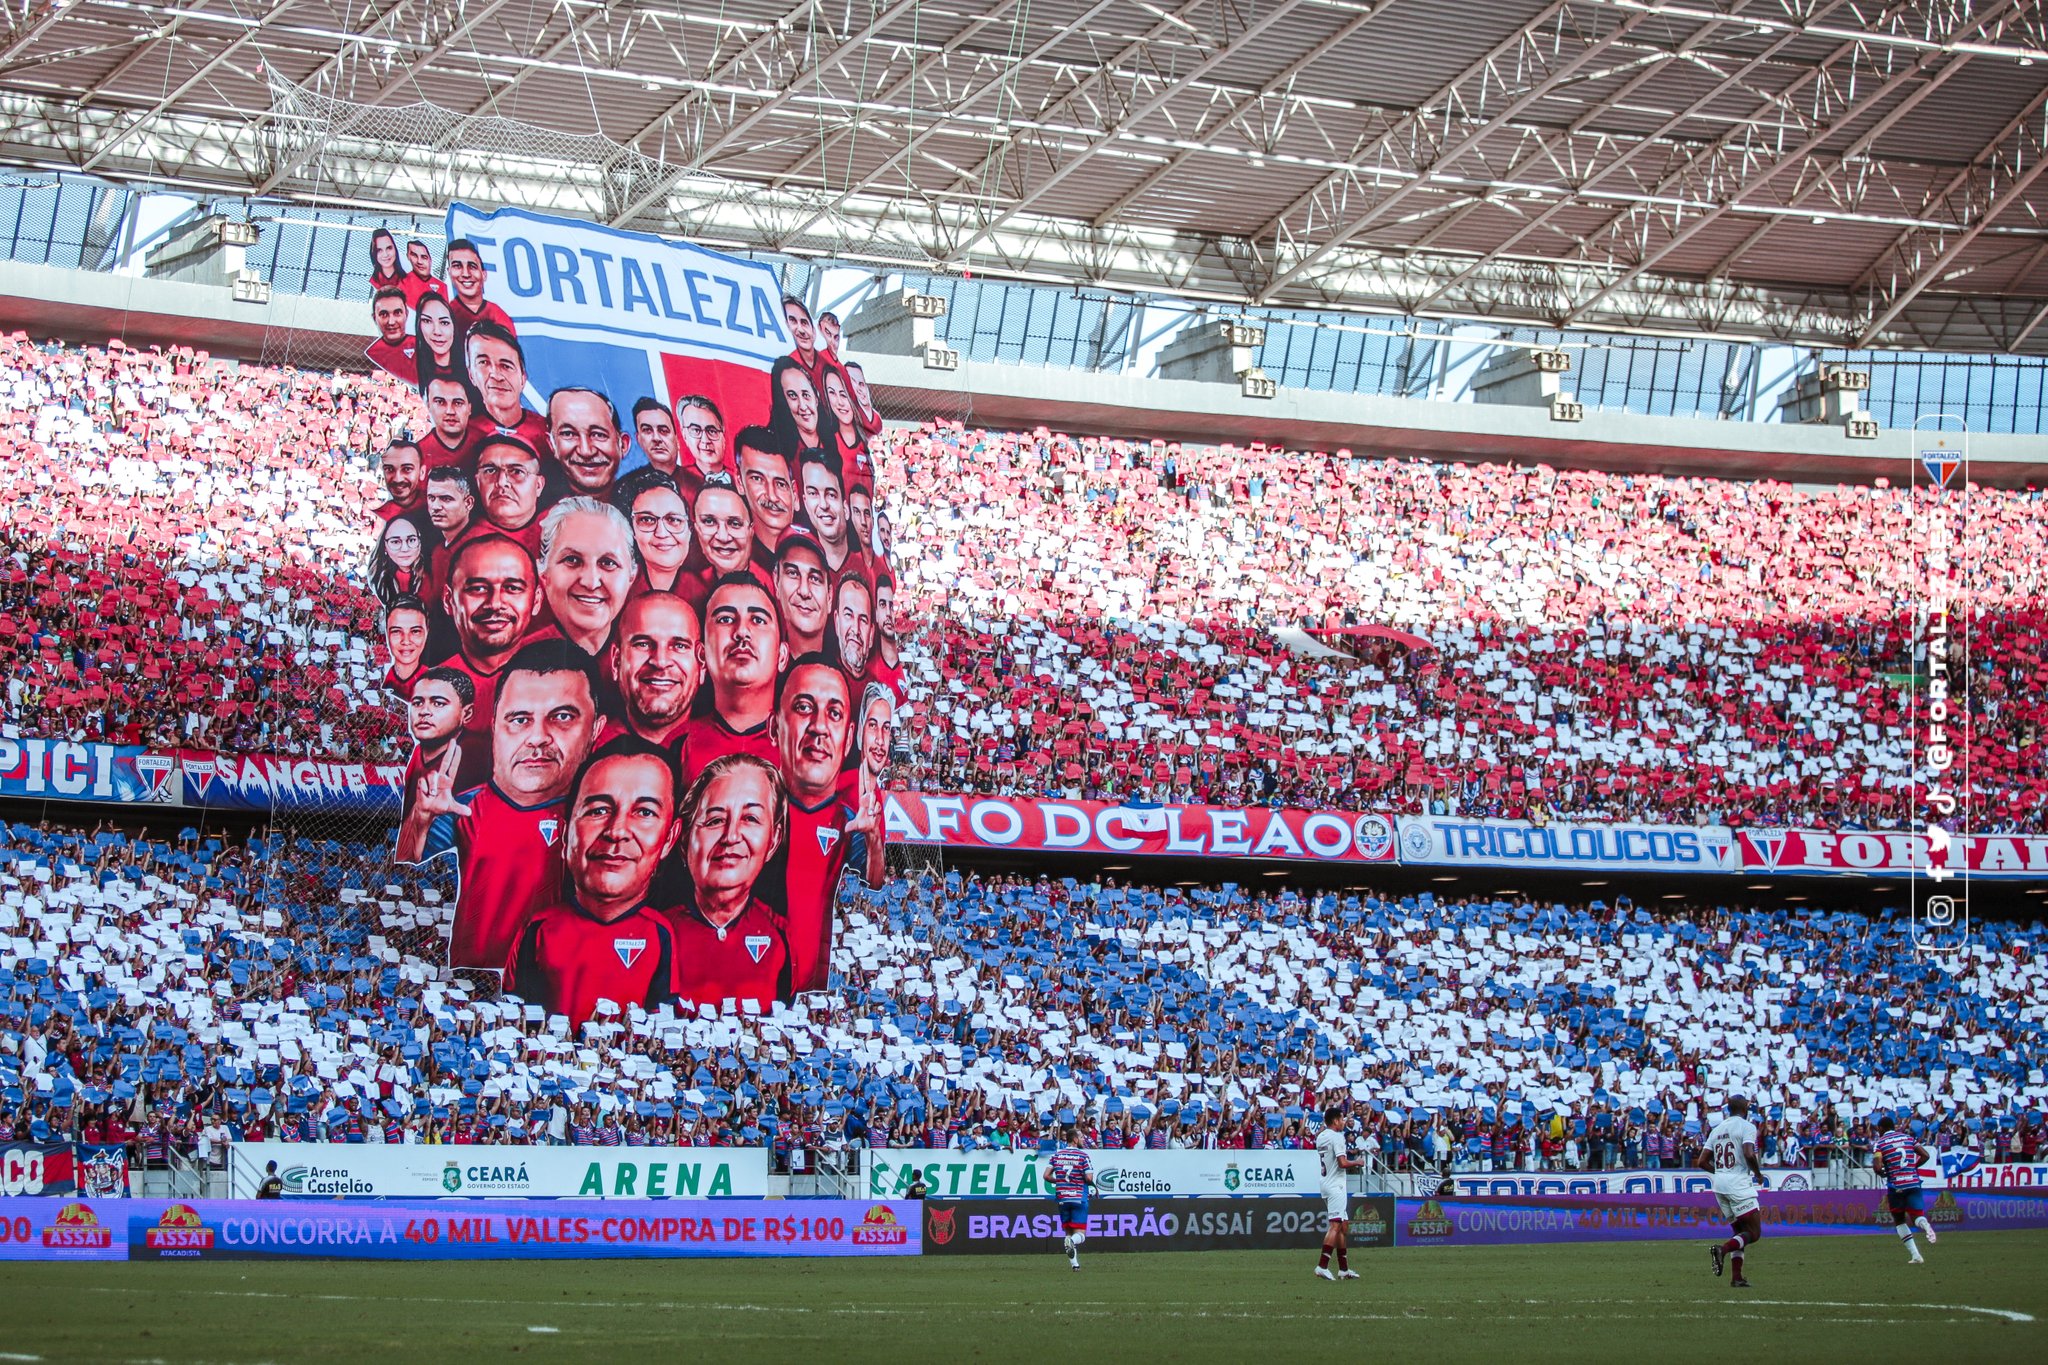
(939, 356)
(1244, 333)
(924, 305)
(1840, 378)
(1551, 362)
(239, 234)
(250, 287)
(1565, 408)
(1255, 383)
(1860, 428)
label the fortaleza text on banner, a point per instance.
(639, 608)
(1022, 823)
(331, 1170)
(950, 1174)
(1890, 852)
(236, 1229)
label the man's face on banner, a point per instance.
(803, 336)
(811, 725)
(389, 315)
(824, 503)
(803, 402)
(828, 333)
(657, 433)
(541, 734)
(853, 624)
(466, 276)
(490, 597)
(401, 468)
(420, 259)
(885, 612)
(500, 376)
(803, 590)
(622, 826)
(703, 437)
(405, 635)
(587, 574)
(449, 507)
(734, 831)
(508, 479)
(771, 496)
(436, 712)
(657, 661)
(587, 442)
(743, 639)
(448, 405)
(860, 515)
(724, 529)
(877, 733)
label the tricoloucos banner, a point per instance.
(952, 1174)
(229, 1230)
(1103, 827)
(336, 1170)
(1448, 841)
(1892, 852)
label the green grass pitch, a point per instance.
(1982, 1297)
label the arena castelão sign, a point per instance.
(1118, 1171)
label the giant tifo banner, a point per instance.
(330, 1170)
(1685, 1217)
(951, 1174)
(1888, 852)
(638, 606)
(1021, 823)
(1449, 841)
(234, 1229)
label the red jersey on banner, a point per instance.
(709, 737)
(510, 858)
(395, 360)
(816, 856)
(746, 960)
(416, 287)
(490, 312)
(567, 960)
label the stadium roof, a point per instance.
(1836, 172)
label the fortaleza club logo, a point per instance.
(104, 1173)
(881, 1228)
(179, 1232)
(77, 1228)
(1429, 1221)
(155, 772)
(939, 1224)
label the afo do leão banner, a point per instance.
(639, 606)
(1017, 1227)
(409, 1230)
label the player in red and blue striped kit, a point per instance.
(1898, 1156)
(1071, 1180)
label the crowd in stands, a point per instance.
(182, 561)
(1536, 642)
(179, 544)
(174, 995)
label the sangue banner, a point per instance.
(334, 1170)
(1021, 823)
(1448, 841)
(1021, 1175)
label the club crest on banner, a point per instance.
(629, 950)
(756, 945)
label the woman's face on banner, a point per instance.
(837, 396)
(402, 544)
(803, 403)
(661, 528)
(437, 328)
(384, 250)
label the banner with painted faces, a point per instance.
(638, 603)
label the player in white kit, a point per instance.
(1730, 1154)
(1336, 1159)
